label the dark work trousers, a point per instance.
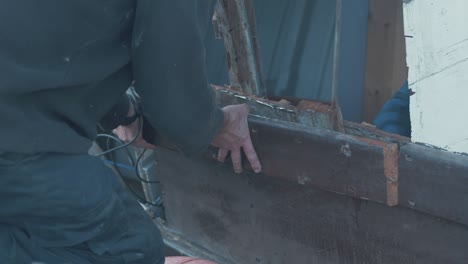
(57, 208)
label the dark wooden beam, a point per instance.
(254, 218)
(357, 167)
(418, 177)
(322, 194)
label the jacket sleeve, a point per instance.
(168, 60)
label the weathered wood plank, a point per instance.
(328, 160)
(309, 113)
(251, 219)
(235, 22)
(434, 181)
(178, 245)
(354, 166)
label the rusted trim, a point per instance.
(391, 153)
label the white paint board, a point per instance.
(437, 57)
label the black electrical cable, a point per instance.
(119, 172)
(141, 199)
(135, 165)
(140, 128)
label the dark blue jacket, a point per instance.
(65, 64)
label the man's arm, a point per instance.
(169, 68)
(168, 59)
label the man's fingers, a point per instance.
(236, 160)
(252, 156)
(222, 154)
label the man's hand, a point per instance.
(127, 133)
(235, 135)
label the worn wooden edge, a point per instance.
(309, 113)
(434, 181)
(185, 247)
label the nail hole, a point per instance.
(408, 157)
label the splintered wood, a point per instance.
(309, 113)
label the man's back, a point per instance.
(63, 65)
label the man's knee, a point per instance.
(129, 233)
(141, 246)
(155, 246)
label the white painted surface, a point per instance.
(437, 57)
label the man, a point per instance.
(63, 67)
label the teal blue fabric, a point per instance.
(394, 116)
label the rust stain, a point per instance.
(391, 156)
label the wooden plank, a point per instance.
(356, 164)
(253, 218)
(386, 69)
(328, 160)
(434, 181)
(178, 245)
(235, 22)
(349, 165)
(305, 114)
